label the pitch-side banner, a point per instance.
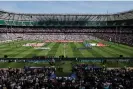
(63, 41)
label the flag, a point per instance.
(53, 76)
(73, 76)
(110, 39)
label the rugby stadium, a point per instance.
(71, 35)
(66, 42)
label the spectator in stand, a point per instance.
(83, 77)
(124, 35)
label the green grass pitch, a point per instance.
(16, 50)
(67, 67)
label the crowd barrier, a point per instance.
(123, 59)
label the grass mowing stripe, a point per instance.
(121, 50)
(8, 46)
(10, 51)
(19, 51)
(45, 52)
(12, 43)
(24, 49)
(60, 51)
(99, 51)
(124, 52)
(14, 52)
(65, 50)
(94, 51)
(23, 52)
(68, 50)
(112, 51)
(85, 52)
(73, 49)
(53, 50)
(122, 45)
(30, 52)
(117, 49)
(107, 50)
(126, 48)
(76, 52)
(11, 47)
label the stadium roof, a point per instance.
(65, 17)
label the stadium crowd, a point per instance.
(121, 35)
(93, 77)
(83, 77)
(119, 38)
(45, 30)
(43, 37)
(65, 30)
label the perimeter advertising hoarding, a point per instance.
(107, 59)
(66, 59)
(64, 41)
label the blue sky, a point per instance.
(88, 7)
